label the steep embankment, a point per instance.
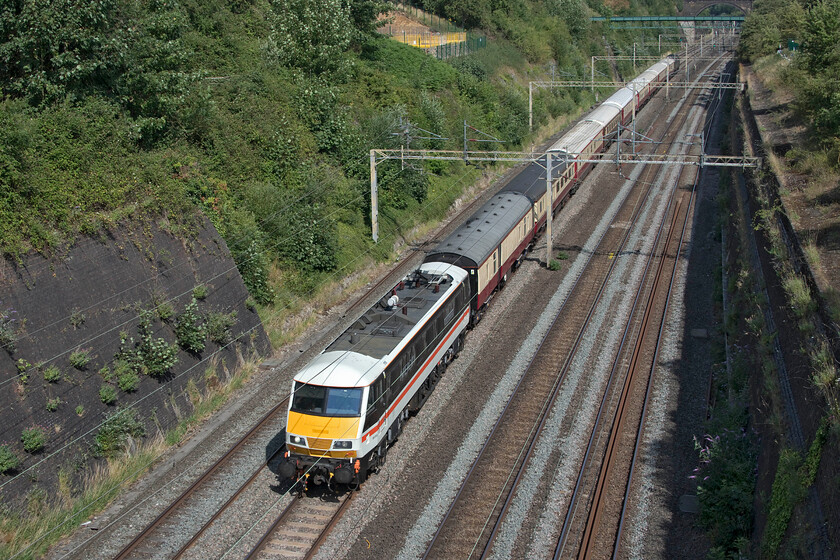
(84, 303)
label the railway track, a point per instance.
(149, 541)
(475, 516)
(301, 528)
(595, 518)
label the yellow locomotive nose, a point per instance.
(320, 431)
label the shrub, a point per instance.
(199, 292)
(113, 436)
(153, 356)
(8, 460)
(218, 326)
(80, 411)
(33, 439)
(52, 404)
(107, 394)
(189, 331)
(128, 381)
(799, 295)
(106, 373)
(8, 340)
(80, 359)
(158, 356)
(726, 484)
(554, 265)
(164, 310)
(52, 374)
(77, 318)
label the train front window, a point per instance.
(344, 402)
(331, 401)
(309, 398)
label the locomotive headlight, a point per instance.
(339, 444)
(297, 440)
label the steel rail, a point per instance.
(564, 534)
(284, 515)
(224, 507)
(548, 404)
(640, 428)
(277, 522)
(218, 464)
(502, 514)
(595, 513)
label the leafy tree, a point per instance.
(311, 35)
(364, 17)
(820, 58)
(52, 48)
(770, 24)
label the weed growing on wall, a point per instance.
(52, 374)
(107, 394)
(113, 437)
(218, 326)
(80, 359)
(189, 330)
(152, 356)
(33, 439)
(8, 460)
(8, 338)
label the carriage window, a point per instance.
(409, 361)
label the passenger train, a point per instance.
(350, 402)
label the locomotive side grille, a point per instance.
(319, 443)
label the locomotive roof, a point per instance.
(531, 180)
(476, 238)
(353, 359)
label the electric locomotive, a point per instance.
(350, 402)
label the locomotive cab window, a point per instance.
(332, 401)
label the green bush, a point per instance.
(33, 439)
(52, 404)
(79, 359)
(128, 381)
(726, 485)
(164, 310)
(107, 394)
(189, 330)
(8, 338)
(52, 374)
(112, 438)
(8, 460)
(199, 292)
(153, 356)
(218, 326)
